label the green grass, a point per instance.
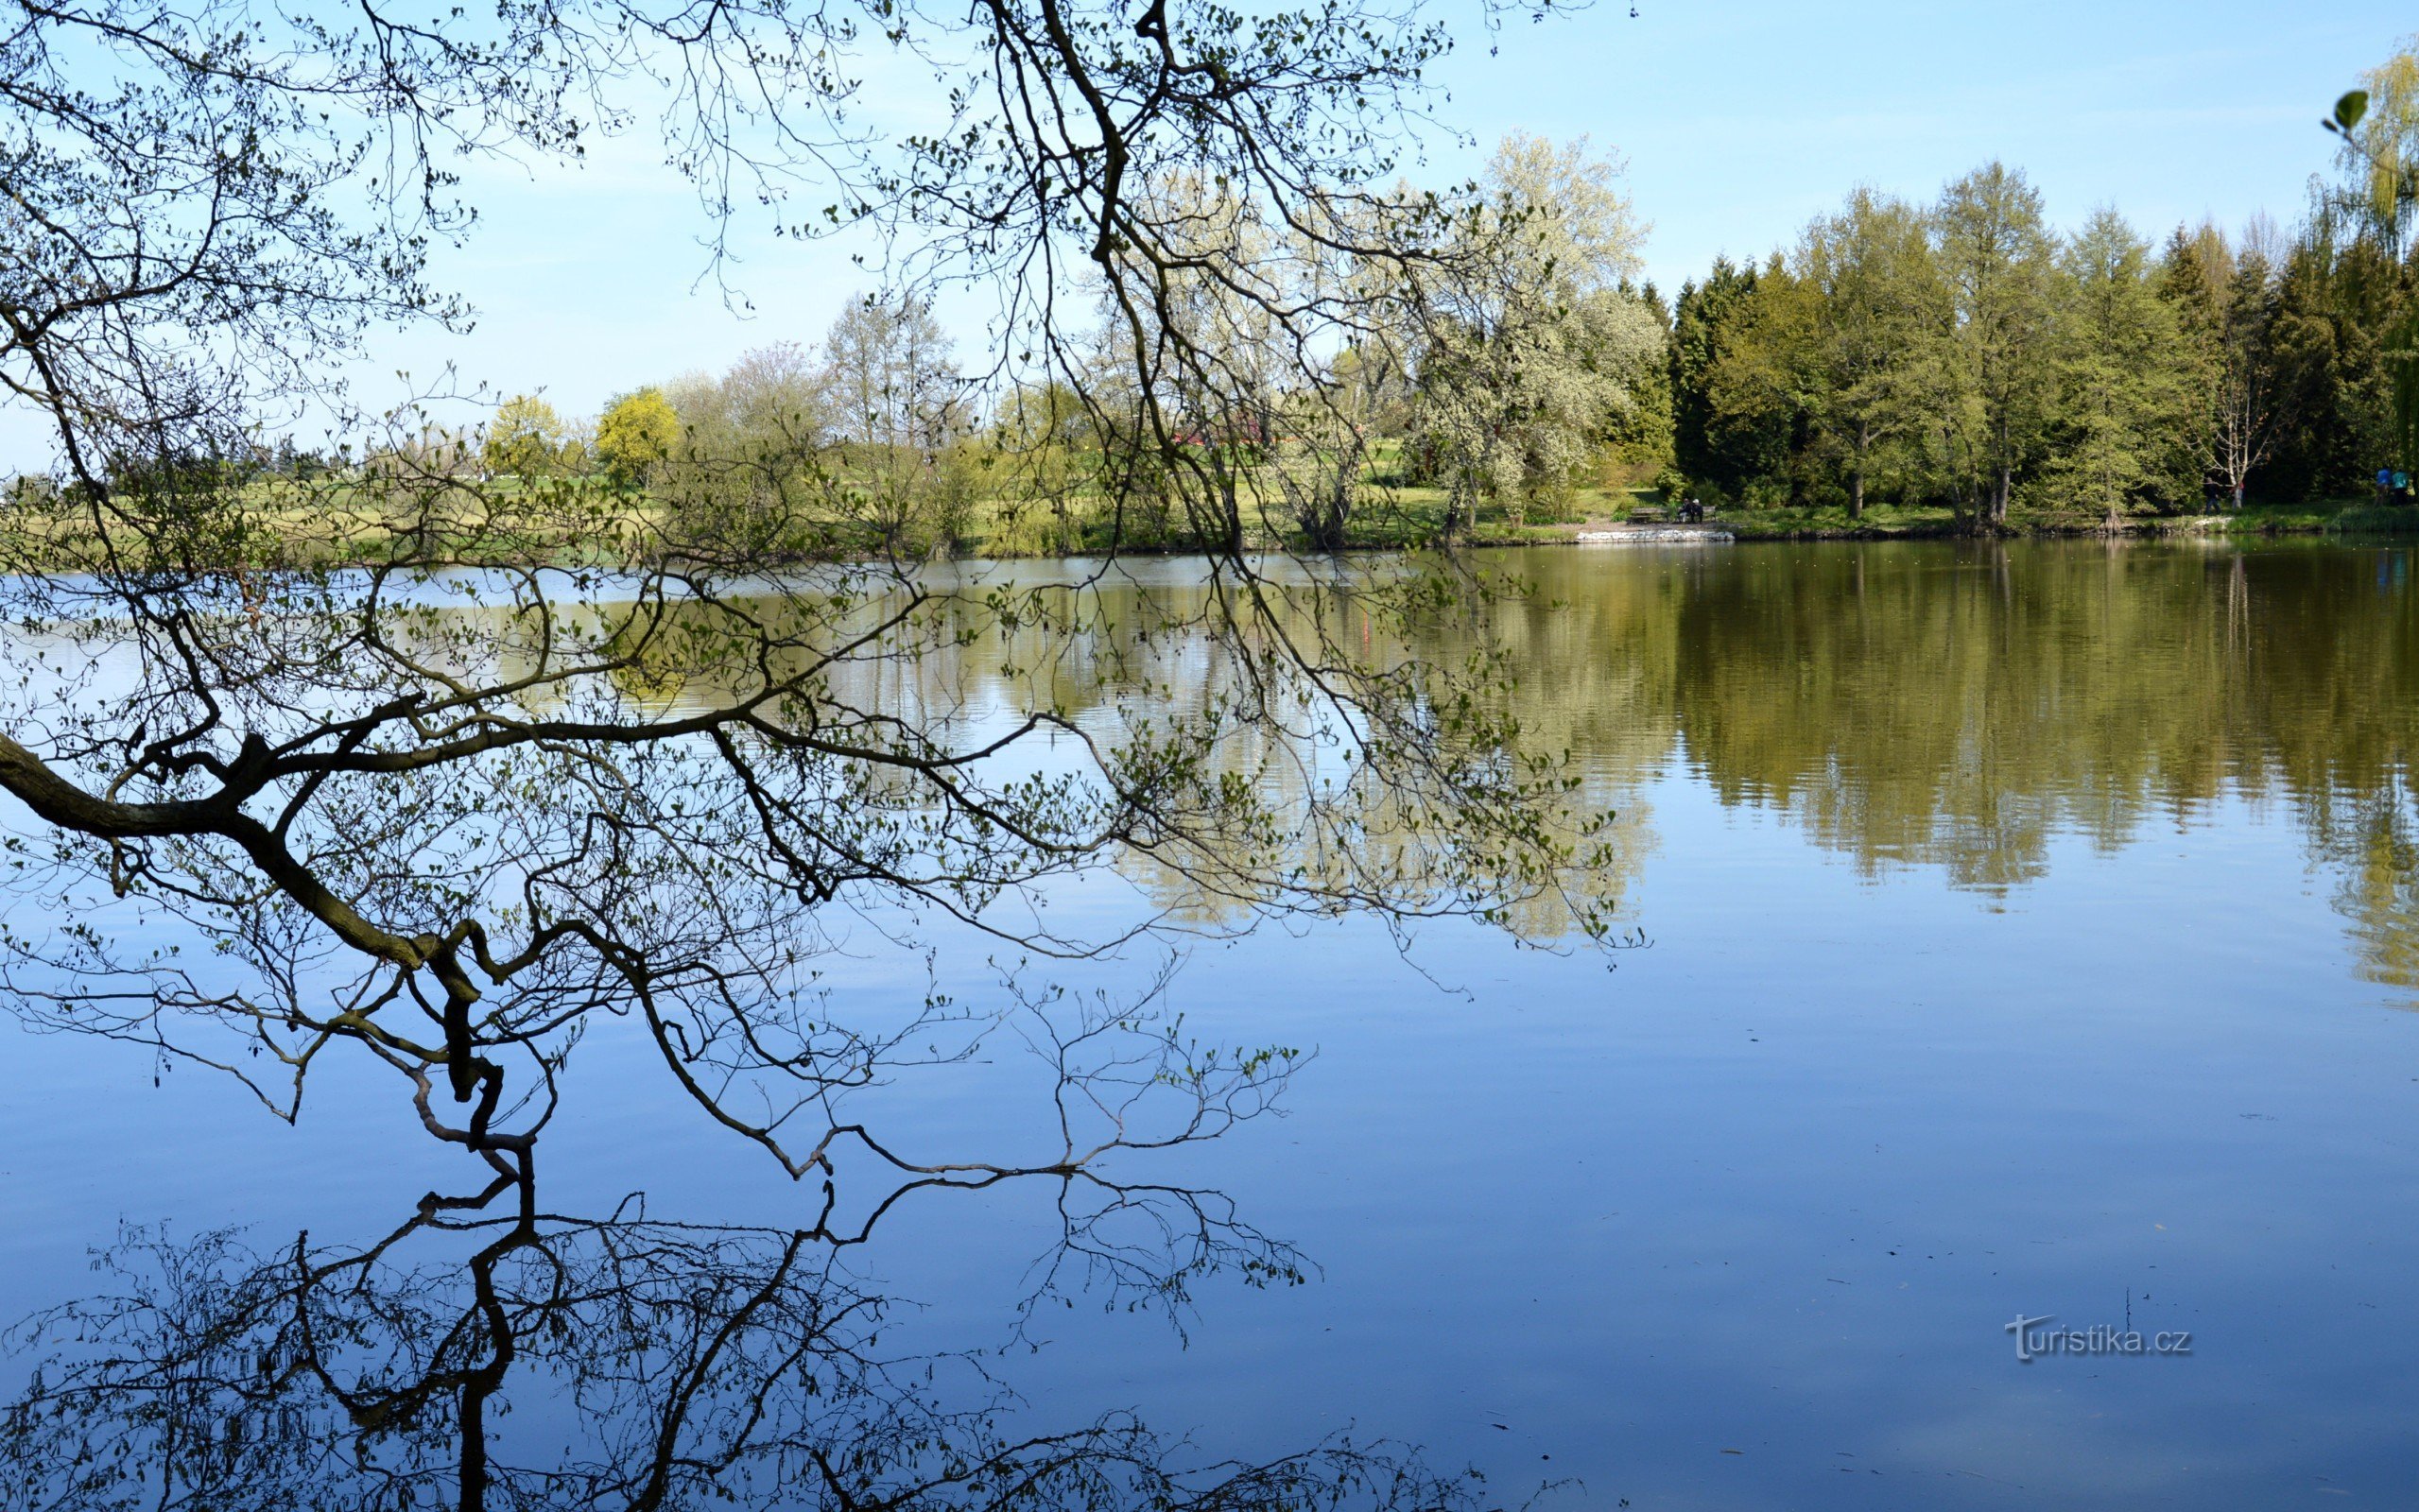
(1882, 520)
(1879, 521)
(2282, 519)
(1397, 518)
(2366, 519)
(343, 522)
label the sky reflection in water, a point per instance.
(2033, 932)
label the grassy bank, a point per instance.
(1411, 518)
(1890, 521)
(2366, 519)
(583, 521)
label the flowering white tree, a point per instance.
(1532, 345)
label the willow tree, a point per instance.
(394, 762)
(2377, 130)
(1523, 361)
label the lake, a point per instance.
(2021, 931)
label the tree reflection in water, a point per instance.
(659, 1364)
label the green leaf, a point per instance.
(2349, 110)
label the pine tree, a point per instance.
(1638, 437)
(1723, 451)
(2338, 298)
(2252, 405)
(2194, 270)
(1765, 384)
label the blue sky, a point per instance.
(1738, 120)
(1743, 121)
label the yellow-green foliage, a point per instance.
(636, 432)
(527, 439)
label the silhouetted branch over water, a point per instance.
(535, 1361)
(455, 768)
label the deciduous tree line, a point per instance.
(1969, 353)
(1964, 352)
(873, 425)
(1496, 366)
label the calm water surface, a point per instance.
(2030, 930)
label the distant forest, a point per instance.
(1966, 352)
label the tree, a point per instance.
(754, 443)
(2378, 125)
(1877, 309)
(1998, 259)
(525, 439)
(1715, 449)
(444, 775)
(2252, 409)
(2195, 274)
(2224, 309)
(1323, 460)
(1638, 437)
(895, 404)
(2123, 403)
(635, 434)
(889, 375)
(1764, 385)
(1523, 367)
(1234, 269)
(2336, 299)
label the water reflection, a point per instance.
(1963, 708)
(2370, 840)
(1934, 705)
(2039, 1114)
(473, 1359)
(1952, 706)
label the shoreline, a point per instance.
(1747, 528)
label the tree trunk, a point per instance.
(1454, 498)
(1339, 504)
(1960, 487)
(1229, 524)
(1856, 475)
(2004, 483)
